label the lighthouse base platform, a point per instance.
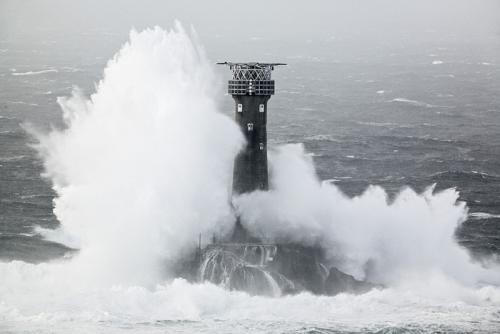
(269, 269)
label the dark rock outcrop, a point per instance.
(339, 282)
(302, 266)
(244, 263)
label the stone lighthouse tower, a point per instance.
(251, 87)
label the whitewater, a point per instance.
(143, 167)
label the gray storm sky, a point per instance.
(251, 30)
(275, 20)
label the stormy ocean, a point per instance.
(116, 154)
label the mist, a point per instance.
(233, 30)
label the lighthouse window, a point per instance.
(261, 146)
(261, 108)
(250, 126)
(240, 107)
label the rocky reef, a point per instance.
(244, 263)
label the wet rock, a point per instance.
(300, 265)
(244, 263)
(339, 282)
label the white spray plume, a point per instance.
(145, 164)
(368, 235)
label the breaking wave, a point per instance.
(204, 308)
(367, 236)
(483, 215)
(53, 70)
(417, 103)
(144, 165)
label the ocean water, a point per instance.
(134, 173)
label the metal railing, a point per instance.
(251, 87)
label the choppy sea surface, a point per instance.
(397, 118)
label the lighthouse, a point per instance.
(254, 263)
(251, 87)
